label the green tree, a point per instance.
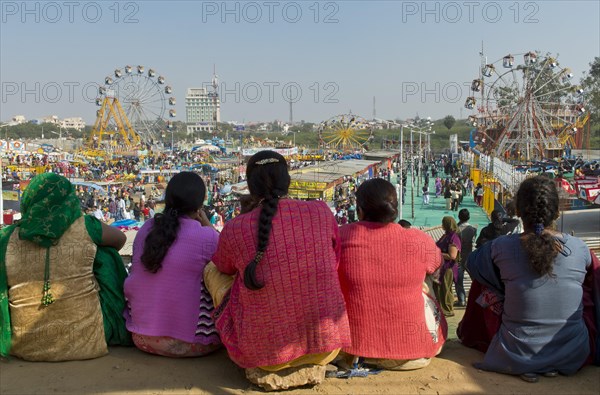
(591, 86)
(449, 121)
(541, 78)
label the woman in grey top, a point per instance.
(539, 276)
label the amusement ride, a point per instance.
(345, 132)
(527, 110)
(135, 106)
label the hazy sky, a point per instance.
(414, 57)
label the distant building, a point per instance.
(73, 123)
(202, 110)
(17, 120)
(51, 119)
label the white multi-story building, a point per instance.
(73, 123)
(17, 120)
(53, 119)
(202, 110)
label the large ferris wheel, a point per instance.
(135, 106)
(346, 132)
(526, 110)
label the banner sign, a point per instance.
(281, 151)
(319, 186)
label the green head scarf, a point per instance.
(49, 206)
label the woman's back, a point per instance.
(76, 310)
(167, 303)
(300, 310)
(382, 269)
(542, 324)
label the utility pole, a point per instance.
(401, 183)
(291, 110)
(374, 111)
(419, 166)
(412, 176)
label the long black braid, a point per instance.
(268, 181)
(184, 194)
(537, 204)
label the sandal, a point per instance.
(530, 377)
(553, 373)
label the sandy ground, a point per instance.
(128, 370)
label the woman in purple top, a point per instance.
(450, 246)
(169, 310)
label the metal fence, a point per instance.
(505, 173)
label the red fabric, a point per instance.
(478, 325)
(591, 284)
(301, 308)
(381, 272)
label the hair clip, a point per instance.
(267, 160)
(539, 228)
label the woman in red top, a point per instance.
(393, 322)
(285, 309)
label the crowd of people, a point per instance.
(130, 195)
(286, 290)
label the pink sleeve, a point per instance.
(337, 245)
(224, 257)
(433, 255)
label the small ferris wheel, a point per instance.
(347, 132)
(135, 107)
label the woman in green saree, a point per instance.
(61, 278)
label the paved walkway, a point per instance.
(427, 216)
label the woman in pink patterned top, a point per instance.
(285, 309)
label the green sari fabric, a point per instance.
(5, 331)
(110, 273)
(49, 207)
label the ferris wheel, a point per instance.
(145, 98)
(527, 110)
(347, 132)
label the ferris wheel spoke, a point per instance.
(158, 116)
(158, 109)
(336, 128)
(149, 102)
(564, 88)
(501, 78)
(128, 90)
(360, 136)
(554, 77)
(150, 92)
(145, 97)
(336, 141)
(541, 71)
(156, 119)
(550, 114)
(359, 143)
(130, 112)
(147, 128)
(135, 116)
(145, 87)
